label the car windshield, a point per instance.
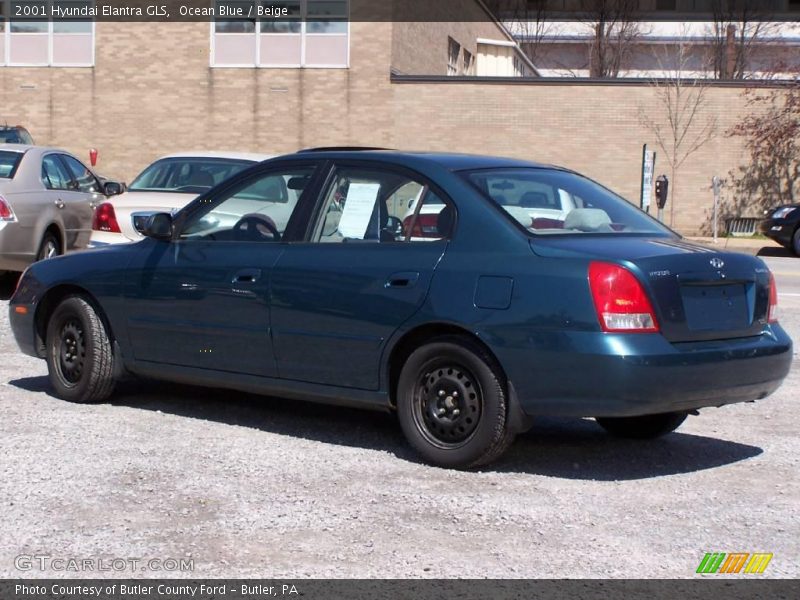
(8, 164)
(189, 175)
(554, 202)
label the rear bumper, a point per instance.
(606, 375)
(16, 247)
(779, 230)
(100, 239)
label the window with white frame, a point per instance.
(28, 40)
(453, 51)
(310, 34)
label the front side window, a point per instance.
(82, 175)
(258, 210)
(284, 34)
(186, 175)
(555, 202)
(386, 207)
(29, 38)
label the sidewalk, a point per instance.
(747, 245)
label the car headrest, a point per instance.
(534, 200)
(445, 221)
(588, 219)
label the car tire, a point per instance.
(643, 427)
(49, 247)
(452, 404)
(796, 242)
(80, 360)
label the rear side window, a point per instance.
(54, 174)
(555, 202)
(9, 161)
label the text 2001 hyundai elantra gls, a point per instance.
(468, 322)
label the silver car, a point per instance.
(47, 199)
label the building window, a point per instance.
(27, 42)
(313, 34)
(453, 50)
(468, 63)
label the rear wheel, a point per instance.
(452, 404)
(643, 427)
(796, 241)
(49, 247)
(80, 361)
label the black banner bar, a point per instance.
(716, 588)
(385, 10)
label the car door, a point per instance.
(201, 299)
(338, 297)
(79, 203)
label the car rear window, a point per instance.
(555, 202)
(189, 175)
(9, 161)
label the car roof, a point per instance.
(449, 160)
(23, 148)
(254, 156)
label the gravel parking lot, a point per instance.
(246, 486)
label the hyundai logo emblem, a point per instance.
(717, 263)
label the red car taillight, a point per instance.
(772, 315)
(105, 219)
(620, 300)
(6, 214)
(424, 226)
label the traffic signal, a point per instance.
(662, 187)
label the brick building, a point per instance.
(137, 91)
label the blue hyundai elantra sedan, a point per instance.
(468, 294)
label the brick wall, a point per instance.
(152, 92)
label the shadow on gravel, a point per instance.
(773, 251)
(565, 448)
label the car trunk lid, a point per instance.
(698, 293)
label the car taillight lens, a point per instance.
(425, 226)
(772, 315)
(6, 214)
(620, 300)
(105, 219)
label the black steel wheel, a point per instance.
(796, 241)
(452, 405)
(643, 427)
(49, 247)
(80, 360)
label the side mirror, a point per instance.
(159, 226)
(112, 188)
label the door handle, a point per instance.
(405, 279)
(247, 276)
(59, 203)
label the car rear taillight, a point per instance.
(772, 315)
(620, 300)
(105, 219)
(6, 214)
(425, 226)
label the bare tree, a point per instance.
(681, 128)
(615, 31)
(737, 30)
(771, 134)
(527, 20)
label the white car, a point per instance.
(167, 185)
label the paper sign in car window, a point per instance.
(358, 208)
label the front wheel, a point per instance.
(643, 427)
(80, 360)
(452, 404)
(796, 241)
